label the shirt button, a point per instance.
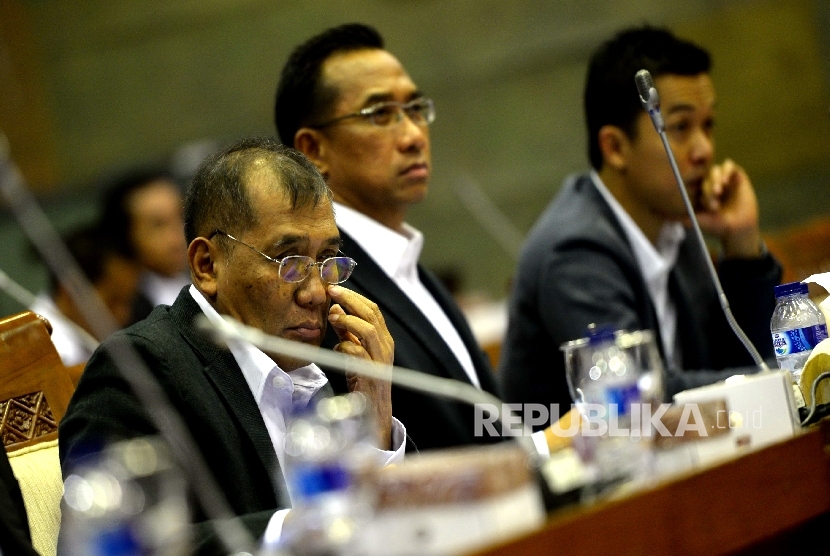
(278, 382)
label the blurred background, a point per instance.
(88, 88)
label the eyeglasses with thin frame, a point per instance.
(420, 111)
(296, 268)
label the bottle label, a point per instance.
(622, 396)
(789, 342)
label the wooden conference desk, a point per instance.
(772, 501)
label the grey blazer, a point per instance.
(578, 268)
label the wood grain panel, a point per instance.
(24, 116)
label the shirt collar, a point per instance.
(654, 260)
(255, 364)
(396, 253)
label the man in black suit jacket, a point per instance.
(263, 249)
(350, 106)
(612, 248)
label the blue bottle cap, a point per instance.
(313, 478)
(601, 334)
(790, 289)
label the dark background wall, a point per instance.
(90, 86)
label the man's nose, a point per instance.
(412, 135)
(703, 147)
(311, 292)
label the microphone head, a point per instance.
(645, 86)
(649, 98)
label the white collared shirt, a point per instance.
(656, 263)
(278, 394)
(397, 255)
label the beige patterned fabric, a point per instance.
(38, 471)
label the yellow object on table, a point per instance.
(557, 436)
(817, 363)
(819, 360)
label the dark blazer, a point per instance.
(205, 384)
(578, 268)
(14, 525)
(430, 422)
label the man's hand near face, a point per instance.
(362, 332)
(728, 209)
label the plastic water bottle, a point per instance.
(127, 500)
(797, 325)
(613, 377)
(329, 464)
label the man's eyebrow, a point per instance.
(289, 241)
(386, 97)
(295, 239)
(376, 98)
(685, 107)
(680, 108)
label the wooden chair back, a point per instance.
(35, 387)
(803, 249)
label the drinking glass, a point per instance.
(616, 380)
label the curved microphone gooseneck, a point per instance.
(231, 330)
(651, 103)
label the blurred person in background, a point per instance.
(113, 277)
(142, 213)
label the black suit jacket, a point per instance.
(430, 422)
(578, 268)
(205, 384)
(14, 526)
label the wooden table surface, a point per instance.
(775, 500)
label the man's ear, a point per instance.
(613, 144)
(202, 255)
(312, 143)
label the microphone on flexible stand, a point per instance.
(231, 330)
(651, 103)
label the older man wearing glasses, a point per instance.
(264, 249)
(349, 105)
